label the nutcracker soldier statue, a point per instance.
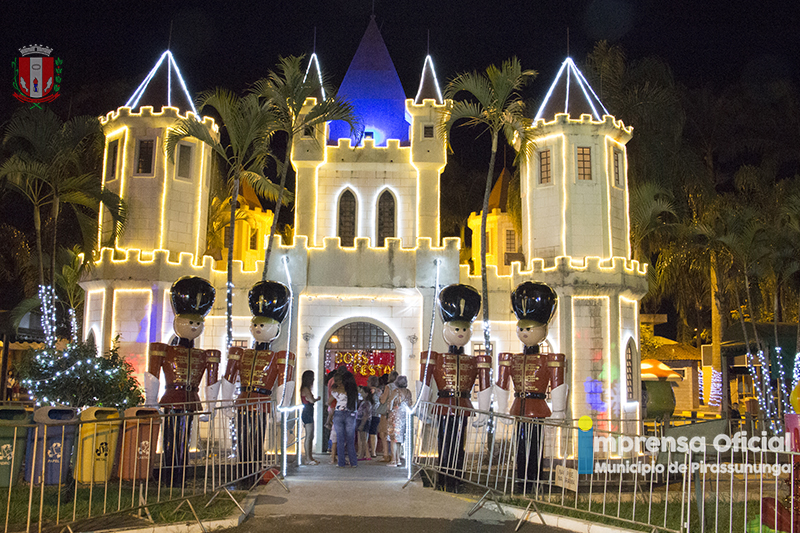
(261, 373)
(534, 304)
(184, 367)
(455, 374)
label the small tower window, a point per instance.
(144, 156)
(254, 239)
(617, 167)
(385, 217)
(427, 131)
(308, 131)
(183, 167)
(347, 218)
(584, 163)
(369, 134)
(511, 241)
(545, 170)
(111, 160)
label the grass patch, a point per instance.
(60, 505)
(719, 515)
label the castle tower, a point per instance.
(576, 238)
(167, 200)
(381, 183)
(580, 165)
(127, 295)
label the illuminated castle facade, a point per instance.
(367, 254)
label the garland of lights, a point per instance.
(701, 387)
(73, 325)
(715, 396)
(47, 297)
(764, 391)
(796, 371)
(782, 377)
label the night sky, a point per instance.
(109, 47)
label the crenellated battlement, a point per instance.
(588, 275)
(565, 119)
(344, 152)
(167, 113)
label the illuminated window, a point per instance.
(545, 170)
(145, 150)
(617, 167)
(111, 161)
(183, 164)
(511, 241)
(254, 239)
(584, 163)
(360, 336)
(478, 348)
(238, 343)
(385, 217)
(427, 131)
(347, 218)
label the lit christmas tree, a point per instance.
(77, 377)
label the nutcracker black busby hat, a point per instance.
(534, 303)
(192, 296)
(269, 300)
(459, 303)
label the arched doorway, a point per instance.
(364, 348)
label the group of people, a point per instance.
(372, 412)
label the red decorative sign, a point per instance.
(362, 363)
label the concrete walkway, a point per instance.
(323, 495)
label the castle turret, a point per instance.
(167, 200)
(580, 167)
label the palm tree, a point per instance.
(285, 92)
(494, 105)
(52, 165)
(248, 125)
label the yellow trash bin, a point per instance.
(97, 444)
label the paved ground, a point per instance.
(331, 499)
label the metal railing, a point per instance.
(695, 477)
(66, 472)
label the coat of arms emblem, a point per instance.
(37, 76)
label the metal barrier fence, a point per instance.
(64, 470)
(680, 477)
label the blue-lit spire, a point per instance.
(163, 87)
(571, 93)
(373, 87)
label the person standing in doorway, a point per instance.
(308, 399)
(344, 418)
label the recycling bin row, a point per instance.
(43, 440)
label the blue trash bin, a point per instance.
(55, 436)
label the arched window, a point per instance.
(385, 217)
(630, 366)
(347, 218)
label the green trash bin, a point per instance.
(13, 437)
(97, 445)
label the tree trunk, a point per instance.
(56, 213)
(229, 287)
(716, 326)
(284, 172)
(37, 226)
(484, 277)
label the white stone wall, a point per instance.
(367, 185)
(131, 320)
(542, 203)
